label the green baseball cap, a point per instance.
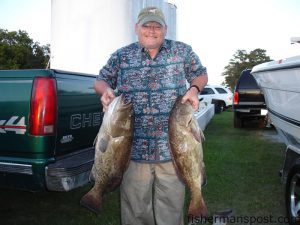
(150, 14)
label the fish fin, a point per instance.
(92, 174)
(95, 140)
(103, 144)
(196, 131)
(101, 140)
(202, 135)
(203, 177)
(92, 201)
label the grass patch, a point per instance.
(242, 172)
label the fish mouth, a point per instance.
(179, 101)
(183, 108)
(124, 101)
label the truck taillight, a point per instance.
(43, 106)
(235, 98)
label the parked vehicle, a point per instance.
(48, 122)
(219, 95)
(248, 100)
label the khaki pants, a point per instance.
(152, 194)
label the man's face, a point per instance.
(151, 35)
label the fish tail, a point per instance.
(198, 209)
(92, 201)
(203, 177)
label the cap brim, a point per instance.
(152, 19)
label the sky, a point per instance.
(215, 29)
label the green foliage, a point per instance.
(19, 51)
(242, 60)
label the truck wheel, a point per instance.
(237, 121)
(262, 122)
(218, 107)
(292, 196)
(222, 106)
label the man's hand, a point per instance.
(192, 96)
(106, 98)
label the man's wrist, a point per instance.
(194, 87)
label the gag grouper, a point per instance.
(185, 137)
(112, 152)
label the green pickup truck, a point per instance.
(48, 122)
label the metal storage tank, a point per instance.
(171, 20)
(85, 33)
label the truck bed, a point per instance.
(58, 160)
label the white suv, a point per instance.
(219, 95)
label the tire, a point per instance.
(222, 106)
(218, 107)
(237, 121)
(292, 196)
(262, 122)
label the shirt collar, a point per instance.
(163, 46)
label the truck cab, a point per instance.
(248, 100)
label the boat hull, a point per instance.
(280, 82)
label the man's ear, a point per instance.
(136, 28)
(166, 29)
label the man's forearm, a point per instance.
(200, 81)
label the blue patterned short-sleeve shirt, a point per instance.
(152, 85)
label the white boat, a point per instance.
(280, 82)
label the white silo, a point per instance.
(85, 33)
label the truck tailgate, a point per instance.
(251, 97)
(79, 112)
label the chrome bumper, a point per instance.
(18, 168)
(71, 171)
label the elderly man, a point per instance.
(151, 74)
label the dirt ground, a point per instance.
(271, 134)
(264, 130)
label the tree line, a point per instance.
(19, 51)
(243, 60)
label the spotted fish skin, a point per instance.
(112, 152)
(185, 138)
